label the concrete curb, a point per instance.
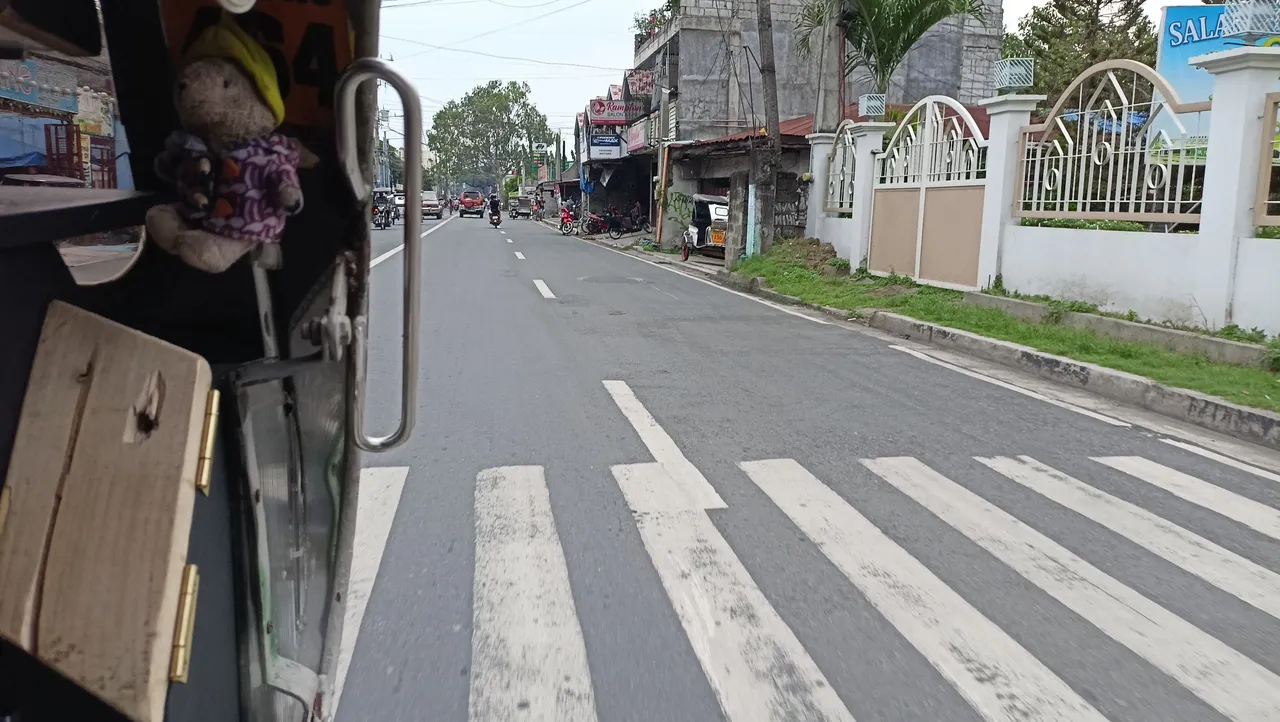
(1254, 425)
(1220, 350)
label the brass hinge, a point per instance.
(207, 436)
(185, 626)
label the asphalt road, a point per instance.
(633, 495)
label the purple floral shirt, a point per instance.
(246, 192)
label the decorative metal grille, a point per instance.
(937, 143)
(1250, 19)
(1117, 146)
(841, 170)
(1012, 73)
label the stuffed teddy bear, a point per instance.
(236, 177)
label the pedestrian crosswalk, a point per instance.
(530, 661)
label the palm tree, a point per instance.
(879, 33)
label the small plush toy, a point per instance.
(237, 178)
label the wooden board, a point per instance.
(101, 487)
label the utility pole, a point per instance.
(770, 156)
(831, 74)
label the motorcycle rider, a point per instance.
(495, 205)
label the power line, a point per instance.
(505, 57)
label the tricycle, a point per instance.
(707, 226)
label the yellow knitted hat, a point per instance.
(226, 40)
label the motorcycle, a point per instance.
(620, 224)
(593, 224)
(568, 221)
(380, 217)
(495, 219)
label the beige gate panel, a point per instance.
(952, 234)
(896, 213)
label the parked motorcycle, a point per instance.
(568, 221)
(620, 224)
(593, 224)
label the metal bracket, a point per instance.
(332, 332)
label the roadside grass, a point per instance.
(791, 267)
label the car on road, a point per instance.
(471, 203)
(431, 205)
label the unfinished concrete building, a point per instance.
(706, 60)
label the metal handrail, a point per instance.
(360, 71)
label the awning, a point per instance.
(22, 141)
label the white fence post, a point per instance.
(869, 141)
(820, 145)
(1241, 79)
(1008, 114)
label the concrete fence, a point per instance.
(1118, 146)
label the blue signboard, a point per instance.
(1185, 32)
(39, 83)
(599, 141)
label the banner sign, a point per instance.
(603, 111)
(636, 135)
(640, 82)
(615, 92)
(39, 83)
(606, 147)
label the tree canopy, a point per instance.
(1066, 37)
(878, 33)
(487, 133)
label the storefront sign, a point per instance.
(603, 111)
(637, 135)
(606, 147)
(39, 83)
(96, 116)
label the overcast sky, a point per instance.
(568, 51)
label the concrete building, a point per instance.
(705, 60)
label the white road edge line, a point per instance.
(1012, 387)
(1233, 463)
(400, 247)
(519, 255)
(541, 285)
(380, 490)
(528, 655)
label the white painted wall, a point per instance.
(1257, 286)
(1150, 273)
(841, 233)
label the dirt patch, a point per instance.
(892, 290)
(811, 252)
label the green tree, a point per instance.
(488, 132)
(511, 186)
(878, 33)
(1065, 37)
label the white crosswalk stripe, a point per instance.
(1252, 514)
(528, 657)
(1230, 682)
(993, 672)
(1230, 572)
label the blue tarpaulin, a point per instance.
(22, 140)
